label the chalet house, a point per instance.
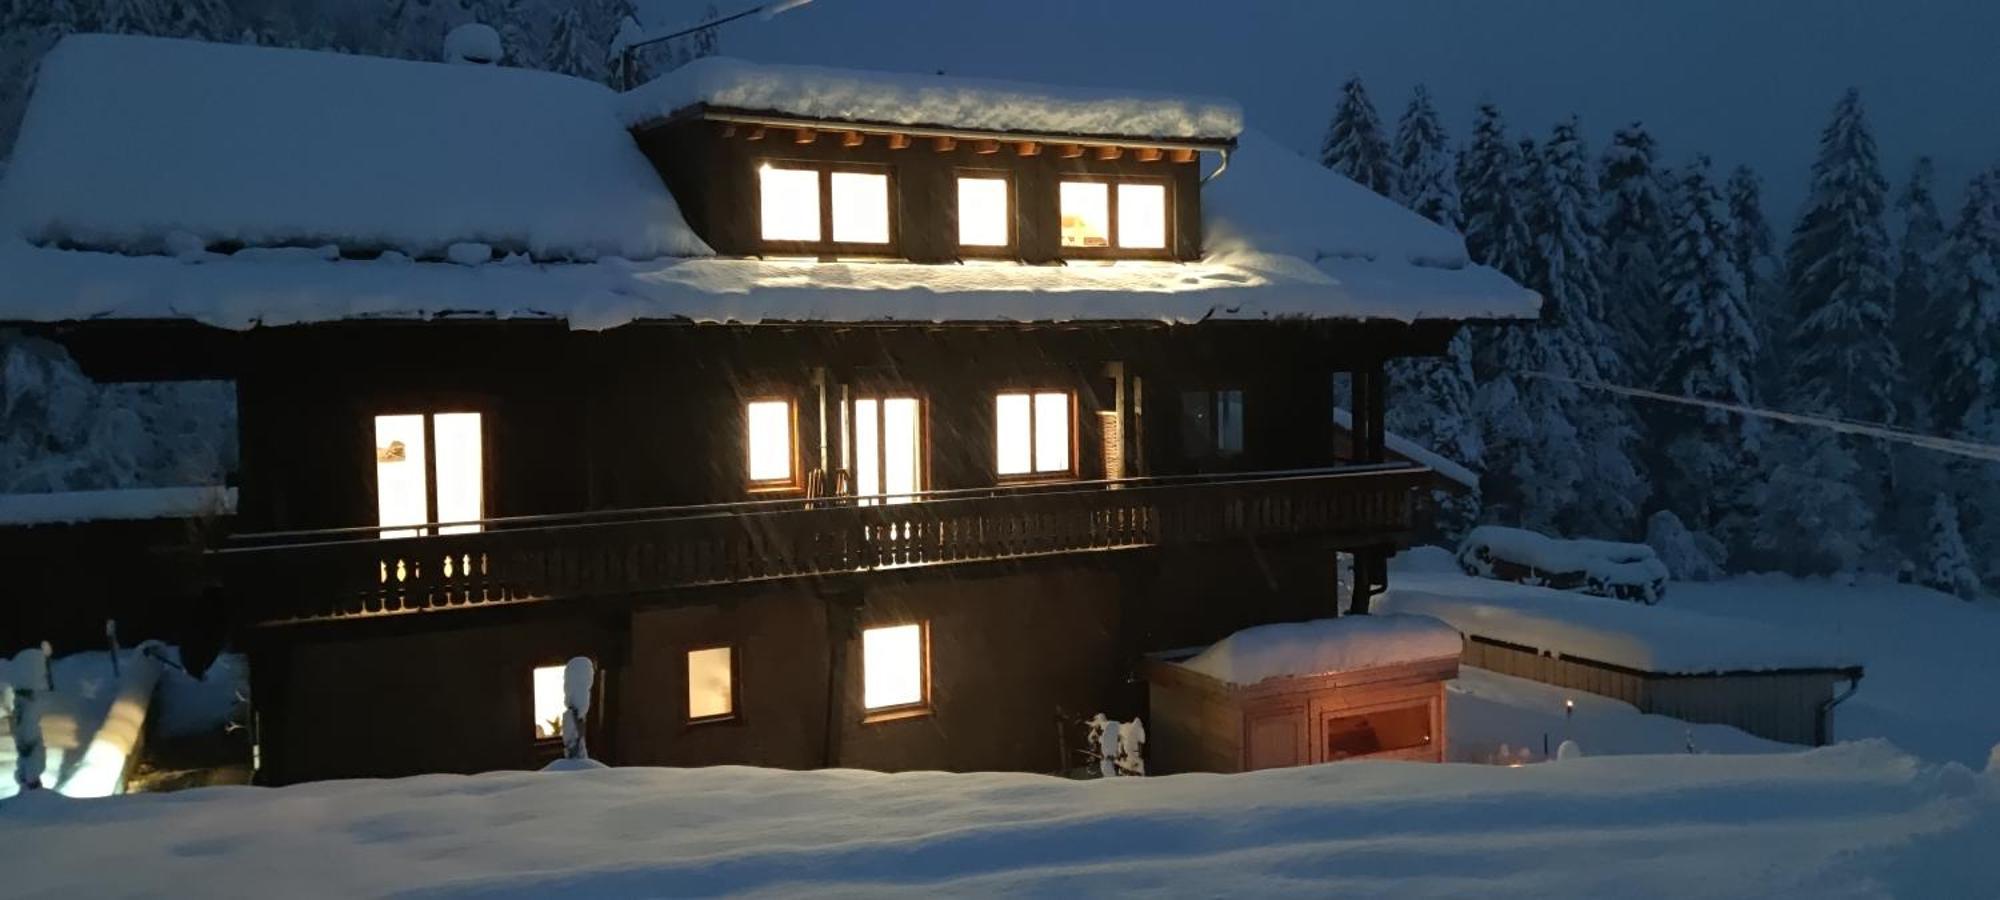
(844, 418)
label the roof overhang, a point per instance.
(765, 119)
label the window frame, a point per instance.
(826, 247)
(793, 483)
(429, 409)
(735, 713)
(881, 390)
(1114, 251)
(1009, 250)
(924, 705)
(1072, 471)
(1215, 452)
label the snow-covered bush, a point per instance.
(578, 676)
(473, 44)
(1948, 564)
(1602, 568)
(1688, 556)
(1118, 747)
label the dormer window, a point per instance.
(1107, 217)
(985, 215)
(819, 208)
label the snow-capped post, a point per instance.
(1107, 745)
(1569, 750)
(473, 44)
(578, 676)
(111, 638)
(1132, 748)
(32, 677)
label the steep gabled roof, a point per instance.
(236, 186)
(147, 145)
(901, 98)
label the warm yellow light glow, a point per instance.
(1011, 425)
(1142, 216)
(460, 471)
(790, 203)
(770, 439)
(1051, 432)
(982, 212)
(892, 666)
(402, 475)
(887, 440)
(1086, 214)
(548, 684)
(860, 208)
(710, 693)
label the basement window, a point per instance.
(895, 667)
(711, 684)
(429, 467)
(1032, 434)
(770, 436)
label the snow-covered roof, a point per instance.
(900, 98)
(140, 158)
(1324, 647)
(147, 145)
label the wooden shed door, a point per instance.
(1275, 739)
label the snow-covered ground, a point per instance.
(1860, 820)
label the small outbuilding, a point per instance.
(1302, 693)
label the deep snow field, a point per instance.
(1908, 806)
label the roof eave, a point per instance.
(771, 119)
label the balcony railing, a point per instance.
(344, 573)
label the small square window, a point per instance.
(1086, 214)
(770, 441)
(711, 684)
(860, 208)
(1142, 216)
(893, 667)
(548, 688)
(789, 203)
(982, 212)
(1031, 433)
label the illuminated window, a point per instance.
(893, 667)
(860, 208)
(1092, 211)
(429, 468)
(1142, 216)
(1032, 433)
(790, 203)
(548, 688)
(1212, 424)
(1086, 214)
(711, 684)
(982, 212)
(771, 447)
(888, 449)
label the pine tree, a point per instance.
(1753, 253)
(1963, 339)
(1711, 354)
(570, 50)
(1421, 157)
(1569, 253)
(1633, 233)
(1354, 145)
(1810, 518)
(1916, 285)
(1496, 228)
(1947, 563)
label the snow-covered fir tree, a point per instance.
(1708, 469)
(1916, 286)
(1810, 519)
(1434, 407)
(1425, 179)
(570, 49)
(1947, 563)
(1495, 222)
(1753, 253)
(1354, 145)
(1612, 488)
(1964, 343)
(1632, 230)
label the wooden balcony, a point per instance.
(348, 573)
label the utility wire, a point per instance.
(1953, 446)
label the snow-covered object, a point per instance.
(1120, 747)
(1687, 556)
(1273, 200)
(579, 674)
(116, 505)
(1569, 750)
(469, 253)
(904, 98)
(1855, 819)
(1603, 568)
(129, 139)
(1648, 638)
(473, 43)
(1415, 452)
(280, 288)
(1324, 646)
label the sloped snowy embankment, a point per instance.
(1850, 821)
